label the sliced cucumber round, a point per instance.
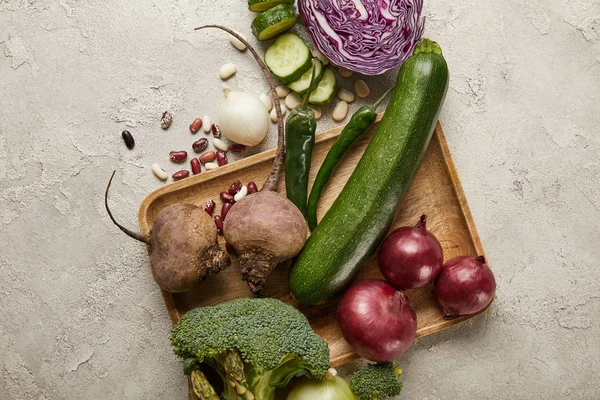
(301, 85)
(288, 57)
(326, 90)
(274, 21)
(264, 5)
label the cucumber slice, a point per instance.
(326, 90)
(301, 85)
(264, 5)
(274, 21)
(288, 57)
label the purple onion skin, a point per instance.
(378, 321)
(411, 257)
(466, 285)
(352, 39)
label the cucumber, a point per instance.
(273, 22)
(288, 57)
(361, 215)
(301, 85)
(264, 5)
(326, 90)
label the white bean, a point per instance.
(220, 145)
(293, 100)
(344, 72)
(241, 194)
(237, 43)
(267, 101)
(211, 165)
(282, 91)
(159, 172)
(317, 110)
(227, 70)
(346, 95)
(320, 56)
(273, 113)
(340, 111)
(361, 88)
(206, 124)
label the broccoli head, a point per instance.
(376, 381)
(255, 344)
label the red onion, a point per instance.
(466, 285)
(411, 257)
(378, 321)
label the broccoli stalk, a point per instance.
(255, 345)
(376, 381)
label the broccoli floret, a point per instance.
(255, 344)
(376, 381)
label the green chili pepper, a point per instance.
(360, 121)
(300, 128)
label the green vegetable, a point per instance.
(326, 90)
(255, 344)
(300, 128)
(360, 121)
(264, 5)
(359, 218)
(376, 381)
(274, 21)
(288, 58)
(331, 387)
(301, 85)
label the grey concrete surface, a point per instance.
(80, 316)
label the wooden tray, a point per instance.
(435, 191)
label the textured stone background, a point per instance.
(80, 316)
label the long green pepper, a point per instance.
(360, 121)
(300, 128)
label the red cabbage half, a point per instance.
(366, 36)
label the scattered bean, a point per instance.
(207, 125)
(282, 91)
(227, 71)
(241, 194)
(252, 188)
(165, 121)
(340, 111)
(235, 187)
(209, 207)
(225, 209)
(184, 173)
(200, 144)
(220, 145)
(211, 165)
(237, 148)
(216, 130)
(237, 43)
(207, 157)
(320, 56)
(318, 111)
(344, 73)
(346, 95)
(273, 113)
(293, 100)
(267, 101)
(195, 166)
(226, 197)
(196, 125)
(361, 88)
(219, 223)
(178, 156)
(221, 158)
(128, 139)
(159, 172)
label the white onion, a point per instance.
(243, 118)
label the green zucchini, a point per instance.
(274, 22)
(361, 215)
(264, 5)
(288, 58)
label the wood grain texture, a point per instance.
(435, 191)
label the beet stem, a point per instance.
(272, 181)
(135, 235)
